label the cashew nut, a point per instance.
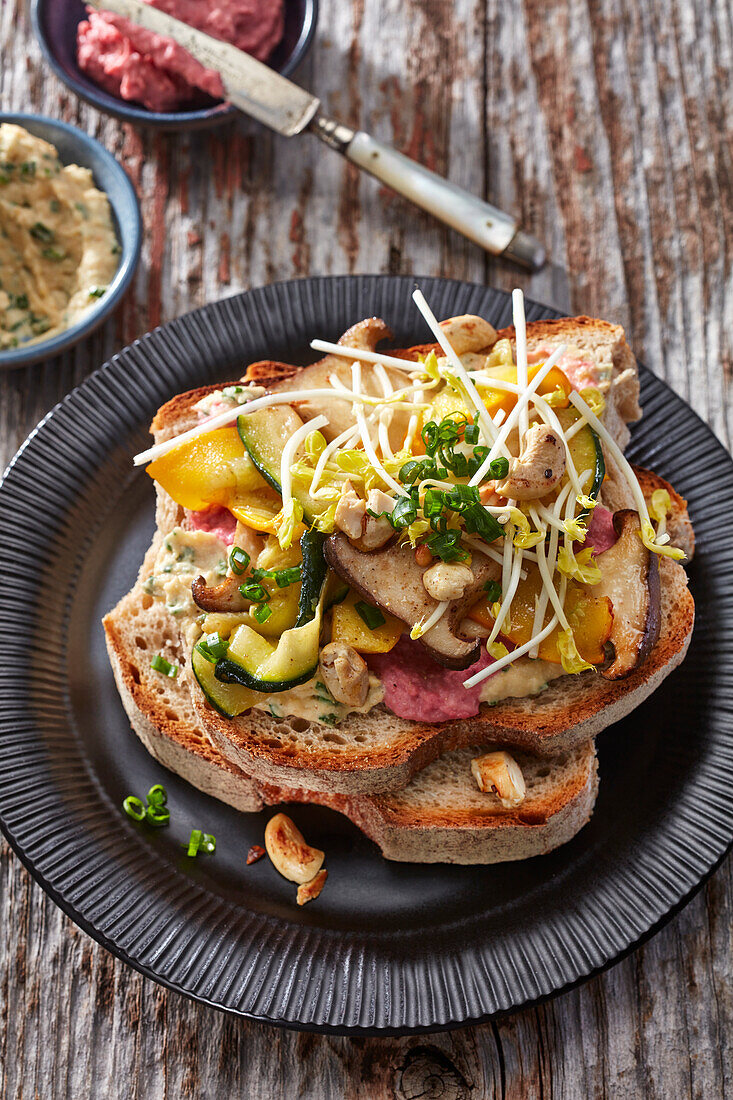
(350, 512)
(499, 772)
(447, 580)
(376, 531)
(290, 855)
(468, 333)
(309, 891)
(539, 467)
(345, 674)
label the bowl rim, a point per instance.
(165, 120)
(130, 242)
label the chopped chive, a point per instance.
(461, 496)
(372, 616)
(285, 577)
(262, 612)
(493, 591)
(157, 816)
(41, 232)
(405, 511)
(205, 652)
(433, 503)
(212, 647)
(216, 644)
(499, 468)
(159, 664)
(157, 795)
(28, 168)
(282, 577)
(239, 560)
(201, 842)
(410, 472)
(194, 842)
(55, 254)
(254, 592)
(430, 437)
(471, 432)
(446, 545)
(134, 808)
(480, 522)
(97, 291)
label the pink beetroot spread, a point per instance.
(418, 688)
(216, 521)
(136, 64)
(601, 534)
(580, 373)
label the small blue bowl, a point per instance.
(76, 147)
(55, 23)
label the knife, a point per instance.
(269, 98)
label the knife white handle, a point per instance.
(478, 220)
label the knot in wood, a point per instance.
(428, 1074)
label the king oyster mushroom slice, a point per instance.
(364, 335)
(631, 581)
(391, 579)
(220, 597)
(226, 596)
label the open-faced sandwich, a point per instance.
(412, 585)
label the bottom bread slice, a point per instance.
(439, 817)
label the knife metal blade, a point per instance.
(263, 94)
(251, 86)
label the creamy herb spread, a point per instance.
(58, 249)
(185, 555)
(524, 677)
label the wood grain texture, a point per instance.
(606, 126)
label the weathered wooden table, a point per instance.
(606, 125)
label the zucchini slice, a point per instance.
(264, 435)
(228, 699)
(257, 664)
(314, 571)
(336, 590)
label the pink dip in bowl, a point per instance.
(137, 65)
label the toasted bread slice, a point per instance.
(377, 752)
(440, 817)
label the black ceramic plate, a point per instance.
(386, 946)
